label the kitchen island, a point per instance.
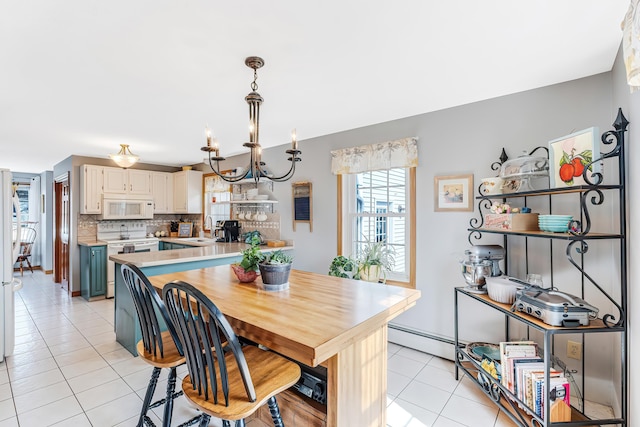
(337, 323)
(154, 263)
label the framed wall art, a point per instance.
(184, 229)
(453, 193)
(302, 203)
(569, 155)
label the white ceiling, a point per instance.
(83, 76)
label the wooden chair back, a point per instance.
(148, 304)
(206, 336)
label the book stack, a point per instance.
(523, 374)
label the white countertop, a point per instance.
(175, 256)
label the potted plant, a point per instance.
(173, 228)
(275, 268)
(247, 269)
(375, 260)
(345, 267)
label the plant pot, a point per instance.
(275, 276)
(244, 276)
(371, 273)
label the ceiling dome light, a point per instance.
(125, 158)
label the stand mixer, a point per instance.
(482, 261)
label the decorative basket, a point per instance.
(242, 275)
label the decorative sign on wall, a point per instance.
(302, 204)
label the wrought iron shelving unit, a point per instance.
(579, 238)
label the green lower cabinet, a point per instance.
(93, 271)
(165, 246)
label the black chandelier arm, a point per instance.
(293, 159)
(231, 179)
(608, 319)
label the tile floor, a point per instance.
(68, 370)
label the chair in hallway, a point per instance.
(225, 380)
(27, 238)
(161, 349)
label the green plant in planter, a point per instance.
(345, 267)
(252, 256)
(375, 260)
(277, 257)
(274, 270)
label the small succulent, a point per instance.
(277, 257)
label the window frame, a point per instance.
(345, 206)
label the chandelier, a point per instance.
(256, 168)
(124, 158)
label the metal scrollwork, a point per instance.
(608, 319)
(582, 228)
(503, 158)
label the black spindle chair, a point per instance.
(161, 349)
(225, 380)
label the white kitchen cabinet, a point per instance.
(127, 181)
(91, 188)
(162, 191)
(187, 192)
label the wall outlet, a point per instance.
(574, 350)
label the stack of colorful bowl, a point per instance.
(554, 223)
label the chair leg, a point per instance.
(29, 264)
(168, 405)
(274, 409)
(204, 422)
(151, 388)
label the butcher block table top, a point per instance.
(313, 320)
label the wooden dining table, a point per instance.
(337, 323)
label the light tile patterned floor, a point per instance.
(68, 370)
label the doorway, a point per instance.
(62, 212)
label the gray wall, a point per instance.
(459, 140)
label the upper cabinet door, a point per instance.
(162, 190)
(139, 182)
(91, 181)
(115, 180)
(127, 181)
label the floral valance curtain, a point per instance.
(401, 153)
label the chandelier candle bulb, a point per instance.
(294, 140)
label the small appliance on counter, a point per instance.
(231, 230)
(482, 261)
(554, 308)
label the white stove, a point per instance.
(124, 237)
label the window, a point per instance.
(380, 206)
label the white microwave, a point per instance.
(117, 206)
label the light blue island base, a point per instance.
(127, 327)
